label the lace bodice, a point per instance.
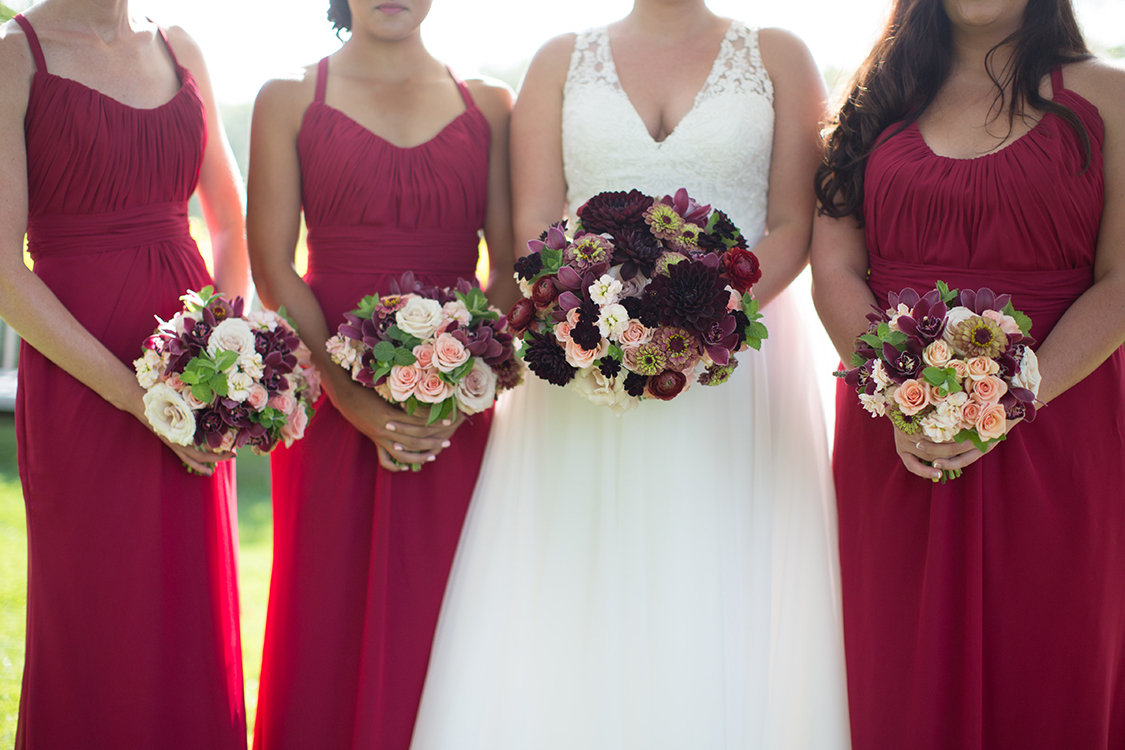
(720, 151)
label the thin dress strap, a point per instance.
(321, 79)
(1056, 79)
(465, 95)
(33, 42)
(171, 51)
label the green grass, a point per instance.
(255, 552)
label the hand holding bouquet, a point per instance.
(647, 298)
(220, 379)
(947, 371)
(442, 349)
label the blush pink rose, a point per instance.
(981, 367)
(258, 397)
(989, 389)
(992, 422)
(449, 353)
(174, 382)
(578, 357)
(477, 390)
(635, 333)
(424, 354)
(959, 367)
(402, 380)
(431, 389)
(912, 396)
(562, 331)
(283, 402)
(970, 413)
(294, 427)
(735, 301)
(1007, 323)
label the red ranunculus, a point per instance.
(667, 385)
(742, 268)
(543, 292)
(521, 316)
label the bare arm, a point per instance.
(495, 101)
(273, 222)
(26, 303)
(538, 180)
(799, 101)
(220, 185)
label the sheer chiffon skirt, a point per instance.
(665, 578)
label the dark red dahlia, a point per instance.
(509, 374)
(614, 212)
(547, 359)
(636, 250)
(693, 295)
(644, 309)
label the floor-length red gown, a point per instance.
(132, 602)
(361, 555)
(989, 612)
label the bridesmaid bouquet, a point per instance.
(647, 298)
(951, 372)
(444, 349)
(220, 379)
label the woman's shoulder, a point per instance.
(18, 65)
(291, 90)
(493, 97)
(1100, 82)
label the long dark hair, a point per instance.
(906, 69)
(340, 15)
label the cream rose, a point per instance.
(1028, 376)
(457, 311)
(169, 414)
(912, 396)
(477, 390)
(989, 389)
(960, 369)
(419, 317)
(936, 354)
(232, 335)
(449, 353)
(402, 380)
(992, 422)
(431, 389)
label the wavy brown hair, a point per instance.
(906, 69)
(340, 14)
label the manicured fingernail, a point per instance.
(447, 422)
(430, 458)
(918, 445)
(936, 475)
(390, 427)
(937, 465)
(398, 447)
(445, 443)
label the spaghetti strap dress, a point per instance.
(361, 554)
(989, 612)
(132, 601)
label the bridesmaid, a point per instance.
(981, 144)
(397, 165)
(132, 611)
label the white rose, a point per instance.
(477, 390)
(605, 291)
(169, 414)
(613, 321)
(238, 386)
(1028, 376)
(937, 353)
(457, 310)
(420, 317)
(232, 335)
(952, 318)
(602, 391)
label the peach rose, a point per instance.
(578, 357)
(989, 389)
(937, 354)
(431, 389)
(981, 367)
(424, 354)
(912, 396)
(959, 368)
(635, 333)
(1007, 323)
(449, 353)
(970, 413)
(992, 422)
(401, 381)
(258, 398)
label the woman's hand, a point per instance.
(403, 440)
(930, 460)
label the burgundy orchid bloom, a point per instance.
(984, 299)
(556, 240)
(720, 340)
(687, 208)
(927, 322)
(904, 365)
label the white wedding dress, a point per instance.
(667, 578)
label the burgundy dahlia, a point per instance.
(693, 294)
(547, 359)
(614, 212)
(636, 250)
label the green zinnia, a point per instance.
(650, 360)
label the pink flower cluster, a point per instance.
(445, 348)
(948, 372)
(220, 379)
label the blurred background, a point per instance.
(246, 42)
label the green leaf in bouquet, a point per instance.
(384, 351)
(219, 385)
(1022, 320)
(750, 307)
(872, 340)
(755, 330)
(552, 261)
(382, 370)
(203, 392)
(972, 436)
(402, 337)
(225, 360)
(615, 352)
(858, 360)
(944, 380)
(439, 411)
(410, 405)
(462, 370)
(947, 295)
(477, 304)
(284, 314)
(367, 306)
(404, 357)
(196, 301)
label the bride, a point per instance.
(665, 578)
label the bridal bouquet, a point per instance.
(951, 372)
(445, 348)
(220, 379)
(647, 298)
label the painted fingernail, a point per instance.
(390, 427)
(430, 458)
(918, 445)
(937, 465)
(447, 422)
(398, 447)
(445, 443)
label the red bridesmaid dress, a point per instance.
(989, 612)
(132, 602)
(361, 555)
